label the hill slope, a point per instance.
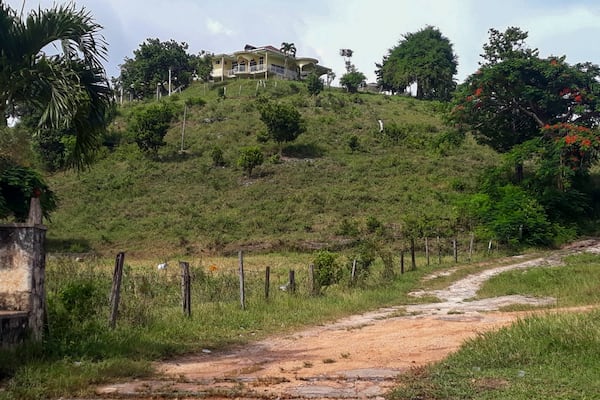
(321, 191)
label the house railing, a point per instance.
(243, 69)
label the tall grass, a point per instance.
(80, 350)
(575, 283)
(543, 357)
(184, 204)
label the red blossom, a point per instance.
(578, 98)
(478, 91)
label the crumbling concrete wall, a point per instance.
(22, 273)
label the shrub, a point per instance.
(327, 269)
(250, 157)
(217, 156)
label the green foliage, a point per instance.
(149, 68)
(284, 123)
(250, 158)
(17, 185)
(216, 154)
(353, 143)
(149, 124)
(424, 58)
(327, 270)
(512, 216)
(508, 100)
(314, 84)
(202, 64)
(68, 91)
(352, 81)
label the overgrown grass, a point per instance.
(80, 350)
(575, 283)
(542, 357)
(184, 204)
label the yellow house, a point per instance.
(262, 63)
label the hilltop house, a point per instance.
(262, 63)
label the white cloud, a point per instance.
(217, 28)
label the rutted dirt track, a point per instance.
(356, 357)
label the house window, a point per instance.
(217, 62)
(261, 60)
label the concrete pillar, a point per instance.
(22, 273)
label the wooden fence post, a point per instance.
(402, 262)
(455, 249)
(439, 248)
(292, 281)
(471, 246)
(312, 281)
(353, 274)
(115, 293)
(186, 288)
(427, 250)
(267, 281)
(242, 288)
(413, 262)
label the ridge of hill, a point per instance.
(337, 179)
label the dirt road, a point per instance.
(356, 357)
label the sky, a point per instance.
(320, 28)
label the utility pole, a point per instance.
(169, 81)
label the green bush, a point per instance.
(250, 158)
(327, 269)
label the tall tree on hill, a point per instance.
(424, 58)
(288, 49)
(515, 93)
(153, 62)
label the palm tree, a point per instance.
(287, 49)
(68, 90)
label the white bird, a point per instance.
(162, 266)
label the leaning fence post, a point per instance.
(115, 293)
(242, 288)
(353, 274)
(186, 287)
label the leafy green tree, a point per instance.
(284, 123)
(65, 91)
(149, 68)
(149, 124)
(425, 58)
(202, 65)
(314, 84)
(18, 184)
(68, 90)
(250, 158)
(515, 93)
(352, 80)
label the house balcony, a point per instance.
(244, 70)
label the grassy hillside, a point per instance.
(321, 191)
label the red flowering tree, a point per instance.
(515, 93)
(567, 150)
